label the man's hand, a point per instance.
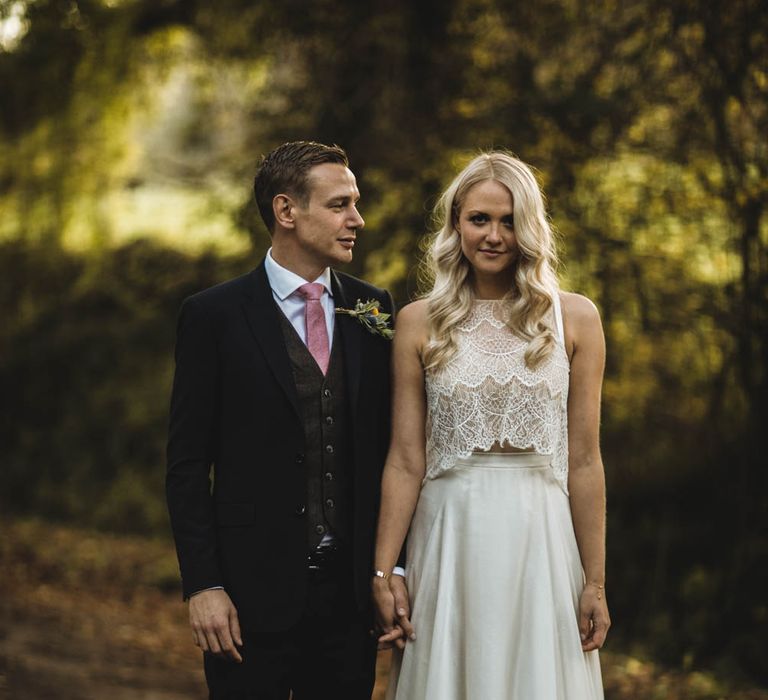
(215, 627)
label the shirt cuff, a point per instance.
(202, 590)
(398, 571)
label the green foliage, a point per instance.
(86, 373)
(645, 119)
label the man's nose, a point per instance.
(356, 221)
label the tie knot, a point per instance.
(311, 291)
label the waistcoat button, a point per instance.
(329, 449)
(299, 457)
(329, 502)
(300, 510)
(329, 420)
(328, 476)
(319, 529)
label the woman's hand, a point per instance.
(384, 611)
(390, 598)
(594, 619)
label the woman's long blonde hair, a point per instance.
(531, 295)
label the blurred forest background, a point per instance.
(129, 134)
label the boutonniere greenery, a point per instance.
(369, 316)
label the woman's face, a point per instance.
(487, 231)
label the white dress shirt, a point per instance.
(285, 284)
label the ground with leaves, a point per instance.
(89, 616)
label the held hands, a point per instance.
(594, 619)
(215, 626)
(390, 598)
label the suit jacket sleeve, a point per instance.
(191, 448)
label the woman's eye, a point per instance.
(478, 218)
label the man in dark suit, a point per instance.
(279, 428)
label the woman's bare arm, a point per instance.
(586, 478)
(405, 464)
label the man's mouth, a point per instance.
(347, 242)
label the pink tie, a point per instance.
(314, 317)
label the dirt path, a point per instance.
(88, 616)
(48, 653)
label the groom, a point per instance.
(278, 432)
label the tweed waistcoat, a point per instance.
(324, 413)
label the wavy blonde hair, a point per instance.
(531, 295)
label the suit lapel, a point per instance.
(262, 315)
(351, 332)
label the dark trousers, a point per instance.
(328, 655)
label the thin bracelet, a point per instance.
(600, 589)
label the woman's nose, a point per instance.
(493, 235)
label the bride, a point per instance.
(494, 469)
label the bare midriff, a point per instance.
(506, 448)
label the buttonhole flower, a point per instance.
(370, 317)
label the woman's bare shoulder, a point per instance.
(413, 315)
(579, 310)
(411, 326)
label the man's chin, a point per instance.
(342, 257)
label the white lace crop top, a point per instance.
(486, 394)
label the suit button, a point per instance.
(329, 502)
(329, 420)
(319, 529)
(327, 393)
(300, 510)
(328, 476)
(329, 449)
(299, 457)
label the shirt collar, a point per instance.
(284, 282)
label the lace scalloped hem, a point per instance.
(434, 471)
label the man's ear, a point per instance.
(283, 209)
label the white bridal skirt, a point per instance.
(494, 576)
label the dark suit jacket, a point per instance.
(234, 408)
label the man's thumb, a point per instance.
(234, 625)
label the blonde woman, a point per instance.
(494, 467)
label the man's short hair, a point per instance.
(285, 170)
